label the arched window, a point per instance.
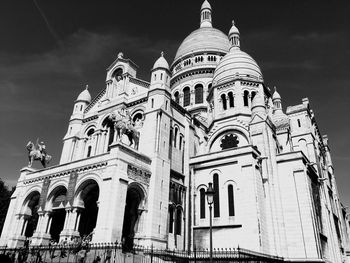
(117, 74)
(231, 202)
(108, 124)
(202, 202)
(178, 221)
(152, 103)
(216, 195)
(198, 89)
(137, 117)
(89, 151)
(245, 98)
(171, 219)
(231, 99)
(177, 97)
(224, 103)
(209, 87)
(299, 123)
(187, 96)
(180, 143)
(175, 136)
(253, 95)
(90, 132)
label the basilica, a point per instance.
(137, 160)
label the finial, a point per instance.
(162, 54)
(275, 88)
(233, 22)
(120, 55)
(87, 87)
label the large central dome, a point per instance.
(203, 39)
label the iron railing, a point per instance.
(113, 253)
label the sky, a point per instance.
(51, 49)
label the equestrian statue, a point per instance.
(123, 124)
(38, 153)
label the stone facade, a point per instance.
(208, 117)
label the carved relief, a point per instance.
(138, 174)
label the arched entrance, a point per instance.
(58, 200)
(31, 216)
(134, 197)
(88, 194)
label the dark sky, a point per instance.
(50, 49)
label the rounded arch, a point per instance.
(134, 186)
(117, 72)
(244, 135)
(89, 127)
(199, 93)
(201, 186)
(56, 196)
(84, 182)
(134, 205)
(177, 97)
(187, 96)
(86, 198)
(137, 110)
(230, 181)
(30, 201)
(30, 212)
(107, 124)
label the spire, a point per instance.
(161, 62)
(206, 14)
(258, 104)
(277, 101)
(233, 36)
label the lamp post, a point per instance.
(210, 199)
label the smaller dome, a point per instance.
(234, 29)
(161, 62)
(206, 5)
(237, 64)
(84, 96)
(276, 95)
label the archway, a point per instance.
(134, 197)
(108, 124)
(31, 214)
(58, 200)
(89, 194)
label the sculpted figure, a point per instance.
(123, 124)
(38, 153)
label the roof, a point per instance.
(237, 64)
(203, 39)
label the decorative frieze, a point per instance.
(138, 174)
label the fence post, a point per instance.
(152, 253)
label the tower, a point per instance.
(206, 15)
(155, 137)
(75, 124)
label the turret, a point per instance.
(277, 102)
(233, 36)
(81, 103)
(75, 124)
(160, 85)
(258, 104)
(206, 14)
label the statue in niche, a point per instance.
(123, 124)
(38, 153)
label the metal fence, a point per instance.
(113, 253)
